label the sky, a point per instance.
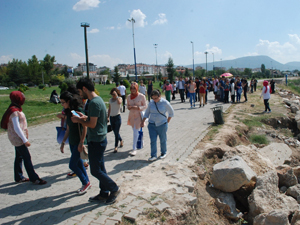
(226, 29)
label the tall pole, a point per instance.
(213, 63)
(155, 46)
(85, 25)
(193, 60)
(221, 64)
(133, 21)
(206, 62)
(272, 68)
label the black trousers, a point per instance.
(123, 98)
(181, 92)
(226, 96)
(266, 102)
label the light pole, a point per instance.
(85, 25)
(133, 21)
(272, 68)
(221, 64)
(193, 60)
(206, 62)
(213, 63)
(155, 46)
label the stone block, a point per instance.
(162, 206)
(133, 215)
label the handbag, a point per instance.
(109, 128)
(140, 143)
(60, 135)
(84, 153)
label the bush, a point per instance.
(63, 87)
(12, 84)
(69, 82)
(30, 84)
(42, 86)
(107, 82)
(23, 88)
(259, 139)
(126, 83)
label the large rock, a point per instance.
(294, 108)
(277, 153)
(296, 218)
(296, 171)
(286, 176)
(276, 217)
(231, 174)
(294, 191)
(266, 197)
(286, 101)
(226, 204)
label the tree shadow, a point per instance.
(129, 165)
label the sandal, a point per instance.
(121, 144)
(116, 150)
(25, 179)
(40, 181)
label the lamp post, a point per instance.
(85, 25)
(221, 64)
(155, 46)
(206, 62)
(213, 63)
(133, 21)
(193, 60)
(272, 68)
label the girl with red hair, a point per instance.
(136, 103)
(266, 91)
(15, 122)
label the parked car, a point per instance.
(3, 88)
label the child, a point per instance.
(15, 122)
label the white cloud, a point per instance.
(86, 5)
(139, 18)
(5, 58)
(93, 31)
(77, 58)
(162, 19)
(110, 28)
(286, 52)
(165, 56)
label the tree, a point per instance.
(233, 71)
(16, 71)
(34, 70)
(263, 68)
(65, 72)
(127, 77)
(4, 78)
(117, 76)
(47, 64)
(186, 72)
(170, 69)
(248, 72)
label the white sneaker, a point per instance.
(163, 156)
(84, 188)
(133, 153)
(152, 159)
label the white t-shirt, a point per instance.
(142, 89)
(114, 107)
(122, 89)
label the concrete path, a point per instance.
(57, 201)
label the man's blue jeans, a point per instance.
(160, 131)
(22, 154)
(192, 98)
(96, 158)
(115, 122)
(76, 165)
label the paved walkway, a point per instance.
(57, 202)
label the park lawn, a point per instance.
(37, 107)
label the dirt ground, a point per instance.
(241, 121)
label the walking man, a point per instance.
(122, 90)
(96, 123)
(181, 88)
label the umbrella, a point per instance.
(226, 75)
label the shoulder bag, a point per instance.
(84, 153)
(159, 111)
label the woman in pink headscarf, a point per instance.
(136, 103)
(266, 91)
(14, 121)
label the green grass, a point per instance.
(258, 139)
(252, 123)
(37, 107)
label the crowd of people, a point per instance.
(86, 119)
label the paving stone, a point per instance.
(133, 215)
(109, 211)
(146, 196)
(156, 201)
(192, 199)
(179, 190)
(147, 206)
(158, 192)
(137, 193)
(101, 219)
(170, 173)
(178, 176)
(117, 217)
(189, 185)
(162, 206)
(111, 222)
(137, 203)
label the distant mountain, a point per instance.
(250, 62)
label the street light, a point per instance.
(206, 61)
(155, 46)
(85, 25)
(221, 64)
(193, 59)
(133, 21)
(272, 68)
(213, 63)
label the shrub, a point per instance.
(23, 88)
(63, 87)
(42, 86)
(259, 139)
(126, 83)
(12, 84)
(30, 84)
(107, 82)
(69, 82)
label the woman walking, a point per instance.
(114, 116)
(266, 91)
(76, 134)
(226, 91)
(239, 90)
(192, 89)
(168, 88)
(15, 122)
(202, 91)
(232, 90)
(136, 103)
(158, 123)
(149, 89)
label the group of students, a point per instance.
(87, 123)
